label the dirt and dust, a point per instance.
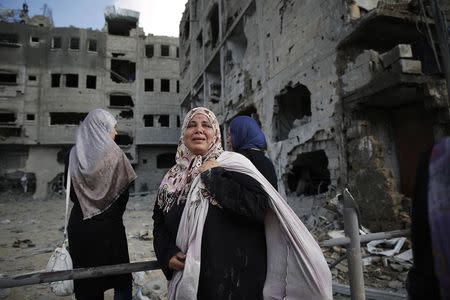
(31, 229)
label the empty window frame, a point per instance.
(163, 120)
(34, 39)
(66, 118)
(91, 82)
(148, 121)
(11, 131)
(214, 25)
(178, 86)
(121, 100)
(187, 28)
(56, 42)
(178, 52)
(71, 80)
(8, 38)
(32, 77)
(92, 45)
(165, 50)
(165, 85)
(74, 43)
(149, 85)
(31, 117)
(149, 50)
(8, 78)
(56, 80)
(124, 71)
(178, 121)
(7, 118)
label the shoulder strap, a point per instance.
(67, 201)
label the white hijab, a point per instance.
(99, 169)
(296, 267)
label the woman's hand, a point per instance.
(177, 261)
(208, 165)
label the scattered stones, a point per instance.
(145, 235)
(23, 244)
(384, 277)
(395, 284)
(402, 277)
(341, 267)
(397, 267)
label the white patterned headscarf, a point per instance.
(100, 170)
(177, 181)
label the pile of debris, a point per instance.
(385, 262)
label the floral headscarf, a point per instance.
(177, 181)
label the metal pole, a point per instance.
(354, 259)
(365, 238)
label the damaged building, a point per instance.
(349, 93)
(51, 77)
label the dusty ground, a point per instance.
(30, 230)
(41, 222)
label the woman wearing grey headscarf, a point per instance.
(100, 174)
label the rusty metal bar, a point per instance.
(81, 273)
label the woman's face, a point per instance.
(199, 134)
(113, 133)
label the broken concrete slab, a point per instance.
(366, 4)
(408, 66)
(398, 52)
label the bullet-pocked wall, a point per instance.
(51, 77)
(261, 66)
(308, 71)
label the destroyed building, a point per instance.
(51, 77)
(349, 93)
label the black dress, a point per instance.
(98, 241)
(262, 163)
(234, 255)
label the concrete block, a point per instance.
(408, 66)
(366, 4)
(398, 52)
(355, 13)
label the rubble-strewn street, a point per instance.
(30, 230)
